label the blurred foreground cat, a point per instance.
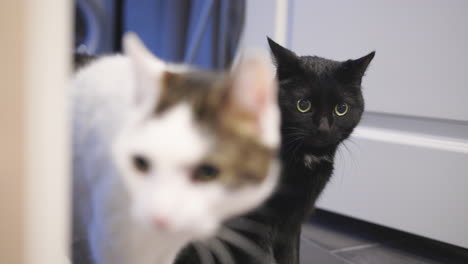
(163, 154)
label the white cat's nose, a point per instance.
(161, 222)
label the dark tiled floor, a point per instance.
(335, 239)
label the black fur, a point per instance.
(315, 134)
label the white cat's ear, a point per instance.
(148, 69)
(255, 91)
(254, 84)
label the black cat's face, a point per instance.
(321, 100)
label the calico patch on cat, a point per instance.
(164, 153)
(236, 148)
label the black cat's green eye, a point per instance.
(341, 109)
(205, 172)
(303, 106)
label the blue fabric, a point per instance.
(199, 32)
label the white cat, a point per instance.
(163, 154)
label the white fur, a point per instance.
(257, 91)
(311, 161)
(115, 204)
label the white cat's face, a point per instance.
(161, 163)
(187, 171)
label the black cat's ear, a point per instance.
(353, 70)
(280, 53)
(286, 61)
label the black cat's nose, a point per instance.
(324, 126)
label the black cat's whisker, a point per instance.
(351, 140)
(350, 154)
(292, 141)
(292, 144)
(243, 243)
(204, 255)
(287, 139)
(292, 131)
(299, 144)
(346, 147)
(291, 149)
(290, 137)
(290, 128)
(221, 251)
(344, 164)
(285, 130)
(297, 158)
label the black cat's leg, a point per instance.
(286, 250)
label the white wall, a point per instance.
(260, 17)
(421, 61)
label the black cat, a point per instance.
(321, 103)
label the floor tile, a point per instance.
(331, 237)
(333, 232)
(382, 255)
(312, 254)
(404, 252)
